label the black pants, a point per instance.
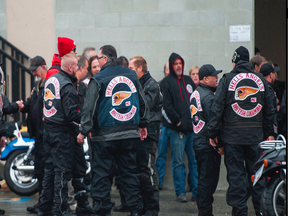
(208, 167)
(39, 160)
(79, 170)
(87, 178)
(115, 173)
(59, 157)
(239, 160)
(124, 152)
(146, 153)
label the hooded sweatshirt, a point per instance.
(56, 66)
(176, 98)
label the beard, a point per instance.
(178, 73)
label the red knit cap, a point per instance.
(65, 45)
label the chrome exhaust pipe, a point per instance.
(23, 168)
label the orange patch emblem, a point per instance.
(193, 110)
(242, 93)
(49, 95)
(119, 97)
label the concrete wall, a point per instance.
(197, 30)
(30, 27)
(3, 18)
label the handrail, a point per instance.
(18, 71)
(13, 47)
(15, 61)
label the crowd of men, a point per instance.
(129, 118)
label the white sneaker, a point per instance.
(73, 207)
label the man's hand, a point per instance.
(179, 124)
(143, 133)
(271, 138)
(221, 151)
(2, 143)
(213, 141)
(20, 104)
(80, 138)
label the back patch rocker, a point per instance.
(246, 87)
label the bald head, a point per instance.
(69, 64)
(166, 69)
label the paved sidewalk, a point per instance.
(15, 205)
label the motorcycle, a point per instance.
(19, 166)
(271, 163)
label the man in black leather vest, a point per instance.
(208, 158)
(241, 117)
(61, 119)
(115, 112)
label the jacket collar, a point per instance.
(243, 67)
(72, 78)
(145, 78)
(213, 89)
(108, 64)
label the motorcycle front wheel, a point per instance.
(20, 182)
(273, 200)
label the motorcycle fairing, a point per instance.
(10, 148)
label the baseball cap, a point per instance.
(267, 68)
(36, 62)
(65, 45)
(208, 70)
(241, 53)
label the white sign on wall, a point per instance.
(239, 33)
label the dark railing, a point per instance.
(18, 72)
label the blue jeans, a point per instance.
(161, 158)
(192, 164)
(178, 145)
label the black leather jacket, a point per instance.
(34, 107)
(242, 112)
(153, 97)
(201, 102)
(7, 108)
(154, 101)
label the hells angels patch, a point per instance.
(194, 109)
(244, 93)
(121, 98)
(51, 93)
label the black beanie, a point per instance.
(241, 53)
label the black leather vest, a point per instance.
(52, 109)
(118, 98)
(245, 100)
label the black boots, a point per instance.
(2, 212)
(83, 206)
(121, 208)
(33, 209)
